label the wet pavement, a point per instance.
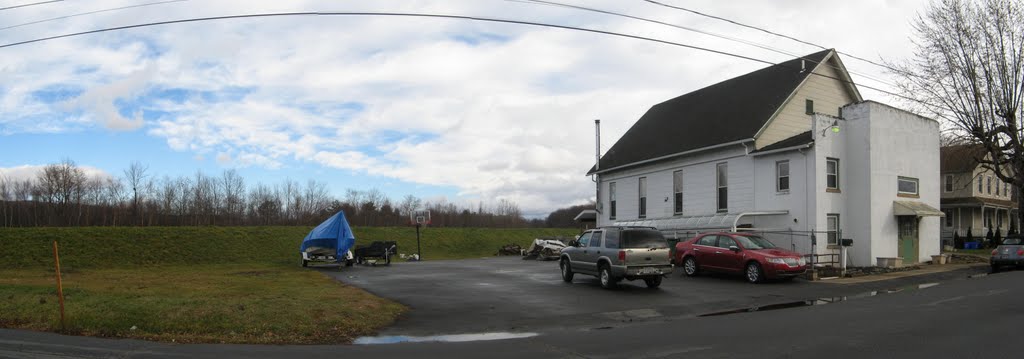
(510, 295)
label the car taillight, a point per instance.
(994, 251)
(622, 256)
(1020, 252)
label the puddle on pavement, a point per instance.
(818, 301)
(453, 338)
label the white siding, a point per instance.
(828, 94)
(699, 191)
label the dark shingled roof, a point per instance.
(728, 111)
(960, 158)
(801, 139)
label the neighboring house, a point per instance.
(787, 151)
(972, 196)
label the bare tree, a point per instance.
(135, 174)
(968, 69)
(233, 186)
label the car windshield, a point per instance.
(754, 242)
(1011, 241)
(643, 238)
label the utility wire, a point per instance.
(765, 31)
(27, 5)
(88, 13)
(725, 37)
(439, 16)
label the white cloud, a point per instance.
(404, 98)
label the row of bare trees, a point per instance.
(62, 194)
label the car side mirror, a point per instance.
(734, 248)
(574, 243)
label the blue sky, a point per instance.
(466, 111)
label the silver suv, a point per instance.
(616, 253)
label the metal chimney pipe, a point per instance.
(597, 146)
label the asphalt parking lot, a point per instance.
(508, 294)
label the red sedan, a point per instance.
(739, 253)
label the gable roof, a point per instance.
(960, 158)
(727, 112)
(804, 138)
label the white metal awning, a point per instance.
(717, 221)
(915, 208)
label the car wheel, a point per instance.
(653, 282)
(305, 263)
(349, 262)
(690, 266)
(566, 270)
(607, 281)
(754, 272)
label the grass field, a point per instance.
(207, 284)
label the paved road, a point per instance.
(962, 318)
(507, 294)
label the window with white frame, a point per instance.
(722, 182)
(832, 222)
(948, 182)
(677, 192)
(988, 185)
(832, 173)
(611, 200)
(642, 189)
(907, 186)
(980, 183)
(782, 176)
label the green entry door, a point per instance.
(908, 242)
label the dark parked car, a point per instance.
(739, 253)
(1008, 253)
(616, 253)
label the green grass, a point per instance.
(208, 284)
(230, 303)
(114, 247)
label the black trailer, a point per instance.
(376, 251)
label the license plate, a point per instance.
(650, 271)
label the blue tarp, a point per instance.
(333, 233)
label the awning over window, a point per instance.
(915, 208)
(718, 221)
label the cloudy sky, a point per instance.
(464, 109)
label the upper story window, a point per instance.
(1006, 189)
(677, 192)
(809, 106)
(988, 185)
(642, 189)
(611, 200)
(832, 173)
(907, 186)
(722, 181)
(782, 176)
(948, 183)
(980, 183)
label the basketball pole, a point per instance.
(419, 254)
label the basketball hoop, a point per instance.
(419, 217)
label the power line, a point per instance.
(764, 30)
(747, 42)
(441, 16)
(88, 13)
(27, 5)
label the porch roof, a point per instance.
(978, 202)
(915, 208)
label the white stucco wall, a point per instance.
(899, 144)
